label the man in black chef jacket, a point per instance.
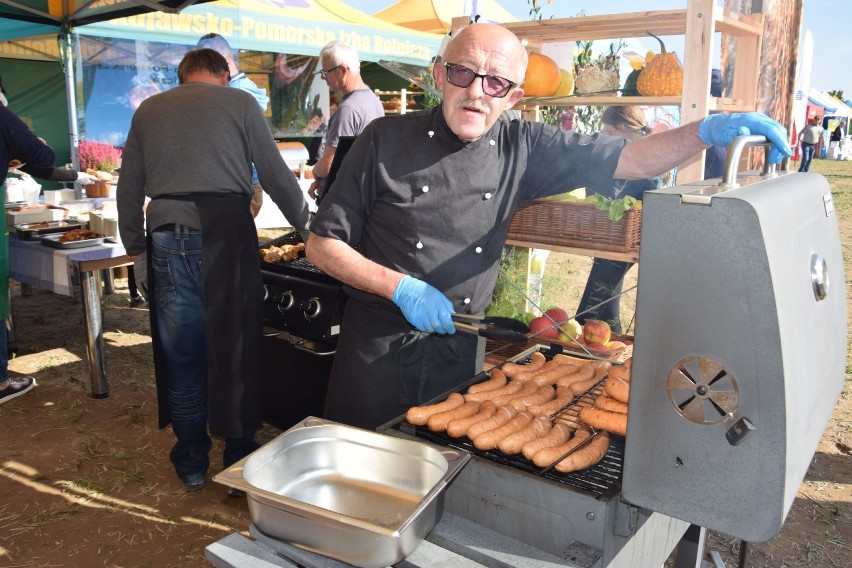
(417, 216)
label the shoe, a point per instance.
(193, 483)
(137, 302)
(15, 387)
(234, 492)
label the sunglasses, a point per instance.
(492, 85)
(323, 73)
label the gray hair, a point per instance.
(217, 43)
(341, 53)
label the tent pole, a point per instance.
(67, 44)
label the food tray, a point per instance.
(496, 352)
(360, 497)
(34, 231)
(577, 225)
(53, 241)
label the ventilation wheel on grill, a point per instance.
(702, 390)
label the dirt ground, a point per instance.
(86, 482)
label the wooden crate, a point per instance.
(576, 225)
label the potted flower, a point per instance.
(597, 75)
(100, 160)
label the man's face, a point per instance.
(484, 50)
(333, 74)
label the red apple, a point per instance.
(543, 327)
(595, 346)
(596, 331)
(558, 315)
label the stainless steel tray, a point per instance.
(53, 241)
(34, 231)
(360, 497)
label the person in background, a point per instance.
(600, 300)
(190, 149)
(317, 147)
(16, 141)
(359, 105)
(239, 80)
(839, 133)
(417, 235)
(809, 137)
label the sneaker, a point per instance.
(137, 302)
(15, 387)
(193, 483)
(234, 492)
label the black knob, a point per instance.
(286, 301)
(265, 293)
(311, 308)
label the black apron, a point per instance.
(233, 311)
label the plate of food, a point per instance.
(75, 238)
(34, 231)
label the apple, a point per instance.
(596, 331)
(558, 315)
(595, 346)
(543, 327)
(570, 330)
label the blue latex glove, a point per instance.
(424, 306)
(721, 129)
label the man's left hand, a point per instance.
(721, 129)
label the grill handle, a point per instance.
(735, 150)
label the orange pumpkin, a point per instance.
(543, 76)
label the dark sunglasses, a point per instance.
(492, 85)
(323, 73)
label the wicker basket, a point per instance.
(576, 225)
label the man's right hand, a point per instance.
(314, 189)
(424, 306)
(140, 273)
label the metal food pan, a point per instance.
(53, 241)
(34, 231)
(360, 497)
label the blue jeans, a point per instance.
(807, 155)
(605, 282)
(4, 352)
(179, 301)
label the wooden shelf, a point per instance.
(404, 95)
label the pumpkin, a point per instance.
(629, 89)
(662, 76)
(566, 84)
(542, 77)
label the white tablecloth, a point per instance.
(48, 268)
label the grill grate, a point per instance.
(297, 266)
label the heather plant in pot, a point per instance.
(100, 160)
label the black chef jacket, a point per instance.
(413, 197)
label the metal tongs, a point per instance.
(485, 327)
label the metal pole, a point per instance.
(90, 290)
(67, 45)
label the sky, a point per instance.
(828, 21)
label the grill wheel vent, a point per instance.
(702, 390)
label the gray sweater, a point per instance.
(198, 137)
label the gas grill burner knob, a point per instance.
(265, 293)
(285, 300)
(311, 308)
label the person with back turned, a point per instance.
(190, 149)
(417, 217)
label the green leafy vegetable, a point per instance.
(615, 208)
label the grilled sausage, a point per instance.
(511, 388)
(580, 387)
(620, 372)
(583, 373)
(527, 388)
(498, 379)
(513, 443)
(617, 388)
(537, 361)
(557, 435)
(564, 359)
(528, 374)
(458, 426)
(539, 396)
(419, 415)
(587, 456)
(488, 440)
(501, 417)
(438, 422)
(548, 456)
(614, 422)
(552, 406)
(605, 402)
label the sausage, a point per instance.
(601, 368)
(620, 372)
(583, 373)
(554, 375)
(511, 388)
(614, 422)
(419, 415)
(587, 456)
(458, 426)
(605, 402)
(513, 443)
(526, 389)
(564, 359)
(619, 389)
(529, 374)
(546, 457)
(539, 396)
(537, 361)
(628, 363)
(501, 417)
(580, 387)
(559, 434)
(488, 440)
(498, 379)
(438, 422)
(552, 406)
